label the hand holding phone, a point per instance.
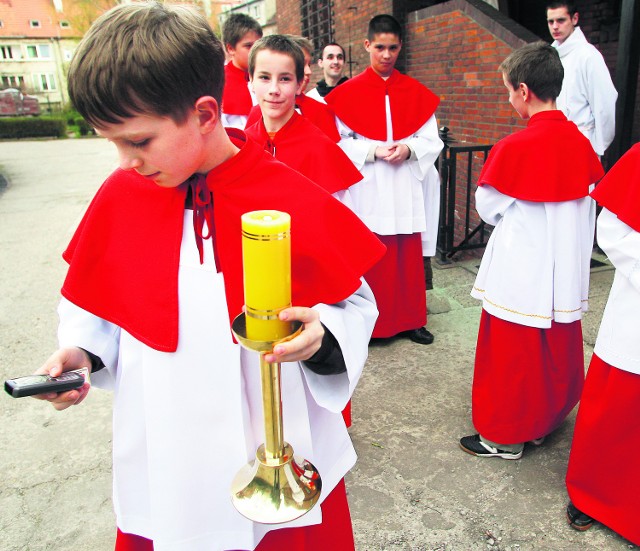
(44, 384)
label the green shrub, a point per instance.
(13, 128)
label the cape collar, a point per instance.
(361, 104)
(619, 190)
(532, 164)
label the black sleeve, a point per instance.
(328, 360)
(96, 363)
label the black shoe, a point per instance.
(473, 445)
(421, 336)
(577, 519)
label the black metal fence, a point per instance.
(460, 228)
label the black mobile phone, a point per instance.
(41, 384)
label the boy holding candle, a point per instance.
(389, 130)
(534, 276)
(148, 303)
(239, 33)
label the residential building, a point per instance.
(37, 40)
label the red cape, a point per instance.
(550, 160)
(236, 98)
(124, 256)
(305, 148)
(360, 104)
(315, 112)
(619, 190)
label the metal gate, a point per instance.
(460, 227)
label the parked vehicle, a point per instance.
(13, 103)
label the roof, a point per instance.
(16, 16)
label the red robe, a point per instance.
(527, 380)
(236, 98)
(305, 148)
(608, 407)
(335, 531)
(314, 111)
(360, 104)
(115, 274)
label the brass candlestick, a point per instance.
(276, 487)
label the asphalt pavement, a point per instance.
(412, 489)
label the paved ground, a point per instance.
(412, 489)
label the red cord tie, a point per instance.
(203, 212)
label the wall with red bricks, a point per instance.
(350, 21)
(455, 49)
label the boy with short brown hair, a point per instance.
(534, 276)
(398, 197)
(239, 33)
(155, 276)
(277, 73)
(314, 111)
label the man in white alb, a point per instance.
(588, 97)
(332, 65)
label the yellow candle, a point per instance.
(266, 255)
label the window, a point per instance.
(38, 51)
(45, 82)
(6, 52)
(13, 81)
(10, 52)
(317, 24)
(65, 25)
(34, 23)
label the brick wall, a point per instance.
(350, 26)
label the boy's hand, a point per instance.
(383, 151)
(65, 359)
(306, 344)
(398, 153)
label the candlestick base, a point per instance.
(273, 491)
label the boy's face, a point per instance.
(157, 148)
(275, 86)
(332, 62)
(239, 53)
(561, 24)
(383, 50)
(516, 98)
